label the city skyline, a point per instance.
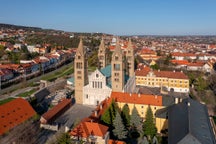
(115, 17)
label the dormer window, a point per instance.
(116, 58)
(97, 75)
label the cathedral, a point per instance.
(117, 76)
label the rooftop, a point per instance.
(14, 113)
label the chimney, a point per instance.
(181, 71)
(130, 94)
(158, 70)
(155, 96)
(95, 113)
(138, 94)
(173, 70)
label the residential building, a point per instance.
(188, 122)
(90, 132)
(171, 80)
(141, 102)
(14, 113)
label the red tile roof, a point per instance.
(55, 110)
(85, 129)
(170, 74)
(115, 142)
(137, 98)
(14, 113)
(182, 54)
(179, 62)
(142, 70)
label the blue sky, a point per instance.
(119, 17)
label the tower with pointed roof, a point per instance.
(117, 69)
(80, 72)
(130, 59)
(102, 55)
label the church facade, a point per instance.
(117, 77)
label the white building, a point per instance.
(99, 87)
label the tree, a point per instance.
(136, 121)
(64, 139)
(149, 125)
(125, 115)
(110, 113)
(154, 67)
(119, 129)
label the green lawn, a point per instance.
(28, 93)
(67, 71)
(6, 101)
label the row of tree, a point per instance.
(123, 125)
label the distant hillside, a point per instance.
(10, 26)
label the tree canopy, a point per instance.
(149, 125)
(119, 129)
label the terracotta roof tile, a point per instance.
(85, 129)
(137, 98)
(55, 110)
(14, 113)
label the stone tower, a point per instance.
(80, 72)
(130, 59)
(117, 69)
(102, 55)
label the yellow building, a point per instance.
(172, 80)
(141, 102)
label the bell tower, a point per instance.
(102, 55)
(117, 69)
(130, 59)
(80, 72)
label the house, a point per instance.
(50, 116)
(14, 113)
(91, 132)
(172, 80)
(141, 102)
(188, 122)
(6, 74)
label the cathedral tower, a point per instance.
(80, 72)
(117, 69)
(102, 55)
(130, 59)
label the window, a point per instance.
(117, 67)
(116, 74)
(116, 79)
(97, 75)
(116, 58)
(79, 57)
(93, 84)
(79, 77)
(86, 96)
(79, 72)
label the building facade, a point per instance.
(80, 72)
(99, 87)
(102, 55)
(118, 76)
(172, 80)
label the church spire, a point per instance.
(80, 48)
(130, 59)
(102, 55)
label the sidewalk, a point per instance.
(14, 93)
